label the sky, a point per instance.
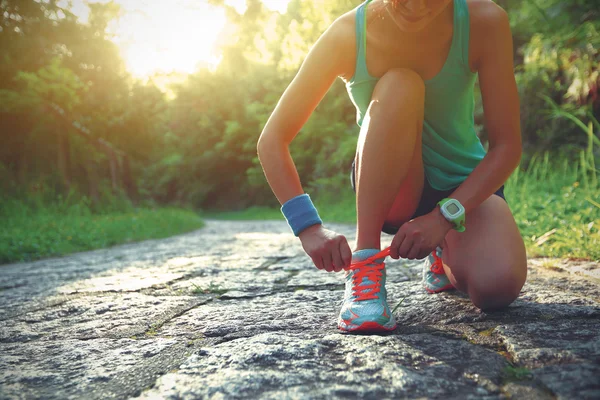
(168, 35)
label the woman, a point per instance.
(420, 172)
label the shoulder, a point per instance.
(490, 27)
(486, 12)
(487, 17)
(342, 31)
(339, 41)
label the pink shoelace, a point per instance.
(373, 273)
(438, 266)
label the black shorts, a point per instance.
(429, 199)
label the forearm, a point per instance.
(280, 171)
(491, 173)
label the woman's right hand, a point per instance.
(328, 250)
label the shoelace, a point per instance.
(438, 266)
(372, 273)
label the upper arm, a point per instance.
(327, 60)
(496, 77)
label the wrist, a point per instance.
(300, 213)
(309, 231)
(453, 212)
(442, 220)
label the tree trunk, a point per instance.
(92, 179)
(114, 172)
(114, 155)
(128, 182)
(64, 159)
(22, 168)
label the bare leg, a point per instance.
(389, 166)
(488, 260)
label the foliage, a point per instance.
(567, 74)
(51, 58)
(198, 148)
(268, 48)
(556, 214)
(557, 46)
(40, 228)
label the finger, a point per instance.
(414, 251)
(327, 262)
(423, 254)
(336, 257)
(317, 261)
(396, 243)
(405, 247)
(346, 253)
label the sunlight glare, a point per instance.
(169, 36)
(275, 5)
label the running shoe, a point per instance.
(434, 277)
(365, 307)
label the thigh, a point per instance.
(489, 257)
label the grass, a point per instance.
(488, 332)
(210, 289)
(399, 304)
(551, 265)
(32, 230)
(556, 206)
(338, 210)
(512, 374)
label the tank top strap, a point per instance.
(461, 36)
(361, 72)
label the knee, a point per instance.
(499, 291)
(401, 83)
(399, 95)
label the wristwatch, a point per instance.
(454, 212)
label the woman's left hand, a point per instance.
(418, 237)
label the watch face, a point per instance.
(452, 208)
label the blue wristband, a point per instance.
(300, 213)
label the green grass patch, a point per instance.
(487, 332)
(338, 209)
(551, 265)
(341, 210)
(556, 208)
(210, 289)
(30, 233)
(512, 374)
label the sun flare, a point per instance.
(169, 36)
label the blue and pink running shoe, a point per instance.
(365, 307)
(434, 277)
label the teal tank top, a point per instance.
(451, 148)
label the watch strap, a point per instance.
(457, 223)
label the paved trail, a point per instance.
(236, 310)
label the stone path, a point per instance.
(236, 310)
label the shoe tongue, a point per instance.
(362, 255)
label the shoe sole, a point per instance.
(442, 289)
(369, 327)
